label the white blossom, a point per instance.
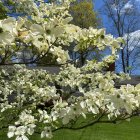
(46, 102)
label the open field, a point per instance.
(122, 131)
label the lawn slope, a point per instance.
(122, 131)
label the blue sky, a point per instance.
(98, 3)
(97, 6)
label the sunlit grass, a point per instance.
(122, 131)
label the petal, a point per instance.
(67, 20)
(43, 134)
(19, 138)
(30, 131)
(10, 134)
(37, 29)
(12, 128)
(9, 24)
(6, 38)
(24, 138)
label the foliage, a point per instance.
(84, 15)
(34, 101)
(2, 11)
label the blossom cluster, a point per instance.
(41, 105)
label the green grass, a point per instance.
(123, 131)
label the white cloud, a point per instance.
(128, 7)
(134, 39)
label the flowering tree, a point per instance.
(35, 101)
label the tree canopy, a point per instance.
(84, 15)
(3, 11)
(35, 101)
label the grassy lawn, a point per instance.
(122, 131)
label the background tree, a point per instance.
(124, 19)
(6, 7)
(3, 11)
(84, 15)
